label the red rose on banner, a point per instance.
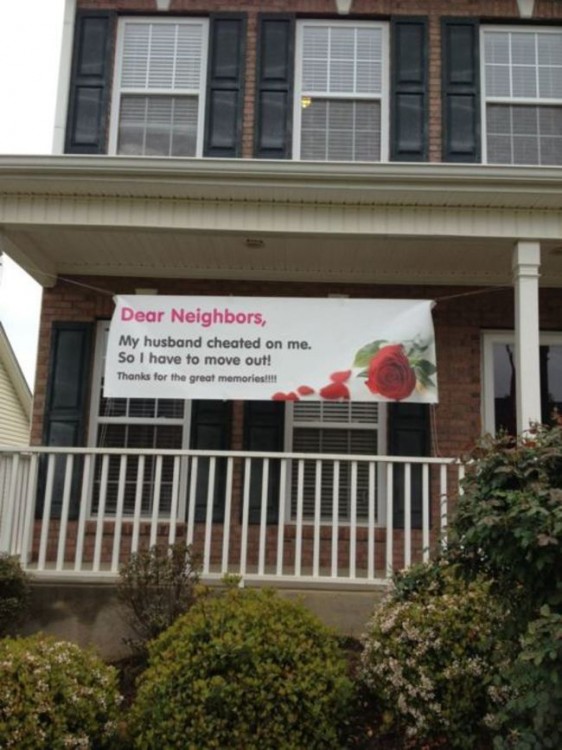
(390, 373)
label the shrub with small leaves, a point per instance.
(157, 586)
(55, 695)
(508, 521)
(527, 696)
(14, 594)
(246, 670)
(429, 652)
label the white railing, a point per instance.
(295, 517)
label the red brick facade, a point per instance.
(461, 314)
(487, 10)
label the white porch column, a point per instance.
(526, 265)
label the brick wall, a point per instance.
(435, 10)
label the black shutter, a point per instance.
(461, 90)
(264, 427)
(409, 436)
(210, 430)
(225, 86)
(409, 90)
(274, 87)
(66, 401)
(88, 105)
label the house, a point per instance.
(15, 397)
(295, 149)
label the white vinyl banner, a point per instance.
(254, 348)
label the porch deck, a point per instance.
(281, 518)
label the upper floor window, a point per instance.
(341, 92)
(522, 96)
(159, 86)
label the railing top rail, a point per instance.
(189, 453)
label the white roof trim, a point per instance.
(238, 197)
(434, 184)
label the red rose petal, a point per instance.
(280, 396)
(305, 390)
(342, 376)
(333, 391)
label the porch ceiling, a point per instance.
(392, 223)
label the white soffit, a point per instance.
(64, 214)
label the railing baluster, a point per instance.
(317, 513)
(370, 503)
(46, 518)
(118, 525)
(84, 494)
(29, 513)
(7, 521)
(156, 491)
(263, 516)
(101, 513)
(245, 514)
(407, 515)
(372, 521)
(461, 477)
(174, 502)
(192, 499)
(298, 528)
(389, 519)
(227, 513)
(443, 503)
(425, 511)
(138, 506)
(64, 511)
(335, 518)
(284, 468)
(19, 514)
(209, 515)
(353, 522)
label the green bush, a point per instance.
(245, 671)
(157, 586)
(14, 594)
(528, 695)
(429, 652)
(508, 522)
(54, 695)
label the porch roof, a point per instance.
(284, 220)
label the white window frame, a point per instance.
(96, 420)
(380, 489)
(489, 340)
(385, 85)
(509, 101)
(118, 92)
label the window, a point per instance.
(522, 96)
(134, 423)
(159, 85)
(499, 380)
(341, 92)
(336, 428)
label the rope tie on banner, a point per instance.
(85, 286)
(472, 293)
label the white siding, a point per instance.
(14, 425)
